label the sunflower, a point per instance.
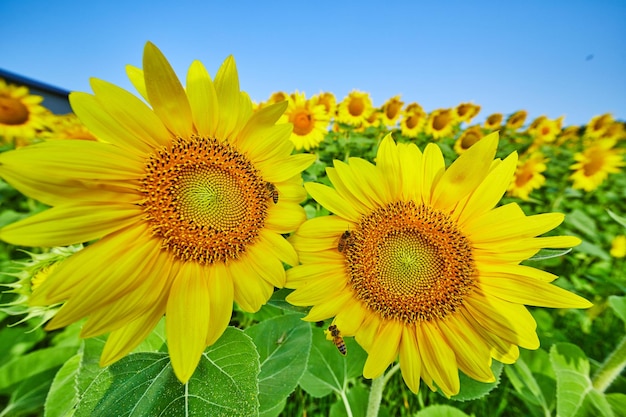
(417, 264)
(516, 120)
(355, 108)
(595, 163)
(413, 120)
(21, 114)
(569, 135)
(528, 175)
(440, 123)
(469, 137)
(546, 130)
(188, 199)
(326, 99)
(391, 111)
(68, 126)
(598, 124)
(465, 112)
(618, 246)
(310, 122)
(494, 121)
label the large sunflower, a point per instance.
(594, 164)
(417, 264)
(188, 198)
(21, 114)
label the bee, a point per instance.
(337, 339)
(272, 191)
(344, 241)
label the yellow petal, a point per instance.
(227, 89)
(202, 99)
(135, 75)
(410, 362)
(278, 246)
(410, 159)
(250, 290)
(165, 92)
(432, 169)
(438, 358)
(284, 217)
(384, 350)
(289, 166)
(388, 162)
(266, 266)
(351, 317)
(331, 200)
(221, 291)
(465, 173)
(188, 319)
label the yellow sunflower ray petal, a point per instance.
(69, 224)
(278, 246)
(202, 99)
(289, 166)
(328, 308)
(374, 183)
(131, 113)
(221, 291)
(351, 317)
(261, 123)
(433, 167)
(489, 228)
(330, 286)
(227, 89)
(250, 292)
(349, 194)
(384, 350)
(438, 358)
(358, 184)
(331, 200)
(528, 291)
(165, 92)
(410, 158)
(410, 361)
(466, 173)
(136, 77)
(270, 268)
(284, 217)
(388, 162)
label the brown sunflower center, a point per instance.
(302, 122)
(409, 263)
(441, 120)
(204, 200)
(469, 139)
(595, 163)
(12, 111)
(393, 109)
(356, 107)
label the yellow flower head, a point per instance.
(391, 111)
(440, 123)
(528, 176)
(618, 247)
(598, 125)
(569, 135)
(355, 108)
(68, 126)
(546, 130)
(516, 120)
(310, 122)
(594, 164)
(494, 121)
(187, 196)
(21, 114)
(465, 112)
(413, 120)
(469, 137)
(418, 263)
(327, 100)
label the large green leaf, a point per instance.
(327, 370)
(472, 389)
(283, 343)
(533, 379)
(441, 410)
(62, 397)
(618, 304)
(144, 384)
(28, 397)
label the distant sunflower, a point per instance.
(547, 130)
(417, 264)
(413, 120)
(516, 120)
(440, 123)
(326, 99)
(69, 126)
(469, 137)
(355, 108)
(465, 112)
(598, 124)
(391, 111)
(189, 199)
(494, 121)
(569, 135)
(375, 119)
(310, 122)
(595, 163)
(528, 176)
(21, 114)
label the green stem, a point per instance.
(376, 391)
(346, 403)
(611, 368)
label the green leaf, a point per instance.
(618, 304)
(533, 379)
(441, 410)
(62, 397)
(23, 367)
(583, 223)
(29, 395)
(327, 370)
(573, 384)
(144, 384)
(278, 300)
(620, 219)
(283, 343)
(472, 389)
(17, 340)
(618, 403)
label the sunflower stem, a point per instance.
(376, 396)
(611, 368)
(346, 403)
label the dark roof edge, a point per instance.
(18, 79)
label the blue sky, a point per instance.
(548, 57)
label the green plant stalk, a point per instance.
(611, 368)
(376, 391)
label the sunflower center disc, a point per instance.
(410, 263)
(302, 123)
(204, 199)
(12, 111)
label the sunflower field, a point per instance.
(182, 250)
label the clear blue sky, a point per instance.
(548, 57)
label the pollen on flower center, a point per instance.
(409, 263)
(204, 199)
(12, 111)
